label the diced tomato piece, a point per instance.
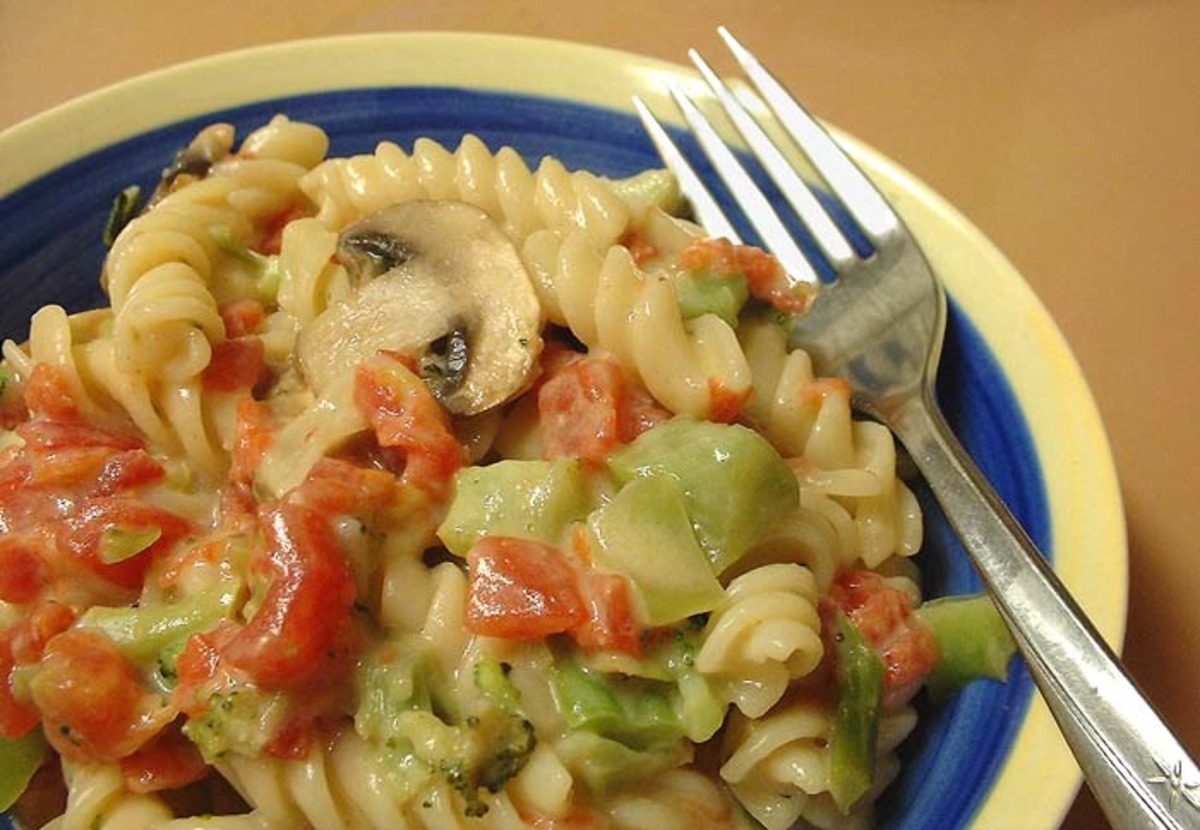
(126, 470)
(610, 625)
(405, 416)
(335, 487)
(307, 604)
(884, 616)
(293, 740)
(640, 248)
(40, 625)
(82, 535)
(237, 363)
(587, 408)
(92, 701)
(22, 572)
(272, 235)
(43, 435)
(252, 437)
(48, 395)
(522, 589)
(167, 762)
(726, 404)
(199, 663)
(242, 317)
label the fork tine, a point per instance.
(705, 207)
(815, 218)
(843, 176)
(775, 236)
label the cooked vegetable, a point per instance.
(527, 499)
(856, 724)
(645, 533)
(972, 641)
(735, 484)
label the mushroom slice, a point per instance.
(441, 282)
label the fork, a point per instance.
(880, 326)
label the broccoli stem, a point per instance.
(856, 725)
(144, 632)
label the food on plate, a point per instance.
(428, 489)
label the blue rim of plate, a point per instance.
(962, 742)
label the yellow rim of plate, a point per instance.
(1088, 529)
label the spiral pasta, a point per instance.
(764, 635)
(778, 767)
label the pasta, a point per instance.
(433, 490)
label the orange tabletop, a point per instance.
(1067, 131)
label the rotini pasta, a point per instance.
(594, 567)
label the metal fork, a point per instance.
(880, 326)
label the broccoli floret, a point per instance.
(477, 753)
(237, 720)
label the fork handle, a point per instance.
(1134, 765)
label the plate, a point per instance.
(1009, 384)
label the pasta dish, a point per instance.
(431, 489)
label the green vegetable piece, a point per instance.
(491, 678)
(701, 711)
(125, 207)
(603, 764)
(525, 499)
(702, 292)
(656, 187)
(118, 544)
(735, 485)
(145, 632)
(646, 534)
(20, 758)
(240, 721)
(856, 724)
(639, 715)
(972, 642)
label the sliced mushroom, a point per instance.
(441, 282)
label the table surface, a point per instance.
(1066, 131)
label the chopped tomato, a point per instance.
(336, 487)
(587, 408)
(199, 663)
(610, 625)
(726, 404)
(42, 435)
(522, 590)
(92, 701)
(22, 571)
(884, 615)
(272, 235)
(83, 534)
(37, 628)
(168, 761)
(252, 437)
(406, 417)
(310, 592)
(640, 248)
(765, 277)
(236, 363)
(126, 470)
(48, 394)
(242, 317)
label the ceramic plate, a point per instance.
(1009, 384)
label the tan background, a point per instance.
(1068, 131)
